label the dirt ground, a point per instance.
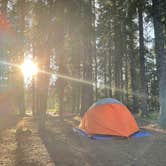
(7, 140)
(69, 149)
(23, 149)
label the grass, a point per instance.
(53, 110)
(153, 116)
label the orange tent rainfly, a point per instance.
(109, 117)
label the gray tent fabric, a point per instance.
(106, 101)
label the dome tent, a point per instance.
(109, 117)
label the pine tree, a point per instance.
(142, 59)
(87, 90)
(161, 57)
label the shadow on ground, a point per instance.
(68, 149)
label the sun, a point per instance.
(29, 68)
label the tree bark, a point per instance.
(142, 60)
(161, 59)
(20, 90)
(133, 72)
(87, 89)
(4, 7)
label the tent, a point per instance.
(109, 117)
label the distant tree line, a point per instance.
(96, 48)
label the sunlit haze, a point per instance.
(29, 68)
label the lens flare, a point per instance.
(29, 68)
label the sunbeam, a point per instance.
(82, 81)
(9, 64)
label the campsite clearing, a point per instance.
(69, 149)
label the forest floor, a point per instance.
(69, 149)
(66, 148)
(22, 149)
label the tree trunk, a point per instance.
(20, 90)
(142, 60)
(161, 59)
(60, 50)
(43, 52)
(42, 94)
(94, 48)
(117, 51)
(110, 71)
(87, 89)
(4, 7)
(133, 73)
